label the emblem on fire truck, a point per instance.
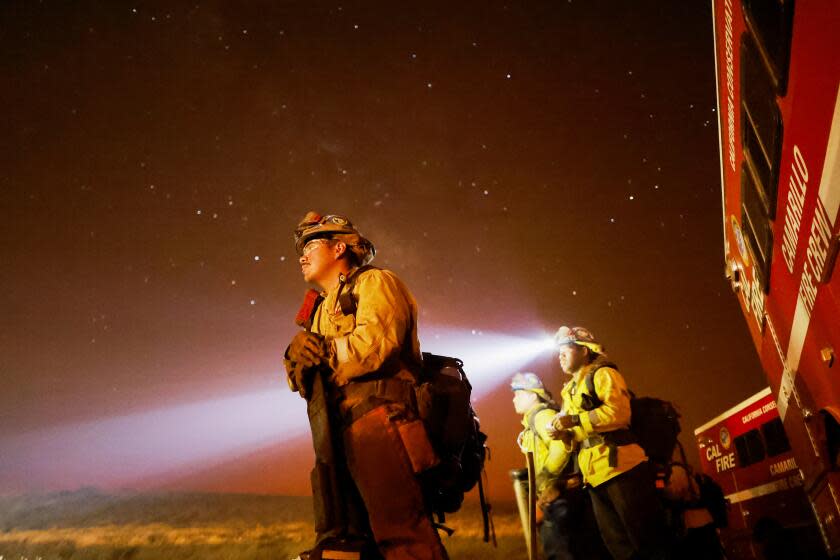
(739, 240)
(725, 438)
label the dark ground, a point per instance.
(89, 524)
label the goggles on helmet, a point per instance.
(315, 225)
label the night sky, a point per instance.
(521, 167)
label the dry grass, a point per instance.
(91, 525)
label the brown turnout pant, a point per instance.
(381, 468)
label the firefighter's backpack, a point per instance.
(655, 423)
(443, 403)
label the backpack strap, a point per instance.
(590, 388)
(591, 401)
(346, 300)
(531, 420)
(594, 401)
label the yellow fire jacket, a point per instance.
(380, 339)
(613, 414)
(550, 455)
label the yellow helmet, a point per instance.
(527, 381)
(579, 336)
(332, 226)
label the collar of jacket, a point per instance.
(597, 363)
(342, 280)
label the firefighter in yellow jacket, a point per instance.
(364, 338)
(568, 530)
(595, 420)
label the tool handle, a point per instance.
(532, 507)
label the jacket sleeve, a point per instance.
(577, 432)
(557, 454)
(614, 413)
(384, 310)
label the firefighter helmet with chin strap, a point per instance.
(332, 226)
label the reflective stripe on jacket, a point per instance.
(612, 414)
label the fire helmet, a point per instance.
(527, 381)
(332, 226)
(579, 336)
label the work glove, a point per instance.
(566, 436)
(307, 349)
(555, 430)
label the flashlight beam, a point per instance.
(490, 359)
(121, 450)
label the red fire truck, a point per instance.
(746, 451)
(778, 72)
